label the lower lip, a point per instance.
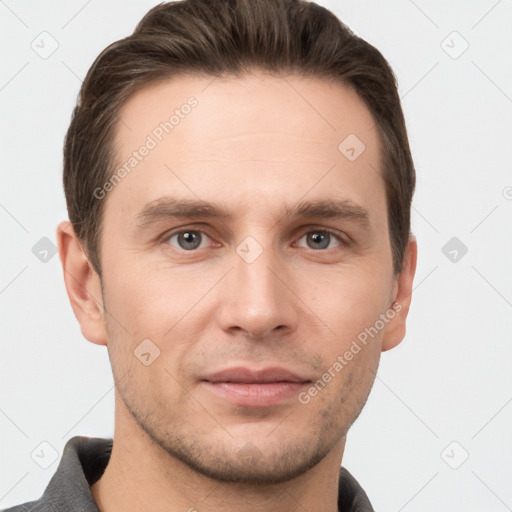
(256, 395)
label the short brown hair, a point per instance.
(219, 37)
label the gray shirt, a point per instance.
(85, 458)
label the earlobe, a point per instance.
(83, 285)
(402, 294)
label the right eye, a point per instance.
(187, 239)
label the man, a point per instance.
(239, 183)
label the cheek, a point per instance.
(161, 305)
(347, 300)
(147, 301)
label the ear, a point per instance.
(83, 285)
(402, 292)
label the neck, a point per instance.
(140, 475)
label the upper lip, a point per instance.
(247, 376)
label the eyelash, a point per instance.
(169, 235)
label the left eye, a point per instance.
(320, 239)
(188, 239)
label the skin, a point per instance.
(253, 144)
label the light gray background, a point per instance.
(449, 381)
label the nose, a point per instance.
(258, 300)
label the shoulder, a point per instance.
(83, 461)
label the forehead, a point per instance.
(277, 136)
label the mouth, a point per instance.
(255, 388)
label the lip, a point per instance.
(255, 388)
(244, 375)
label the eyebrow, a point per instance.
(173, 208)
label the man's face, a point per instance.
(263, 286)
